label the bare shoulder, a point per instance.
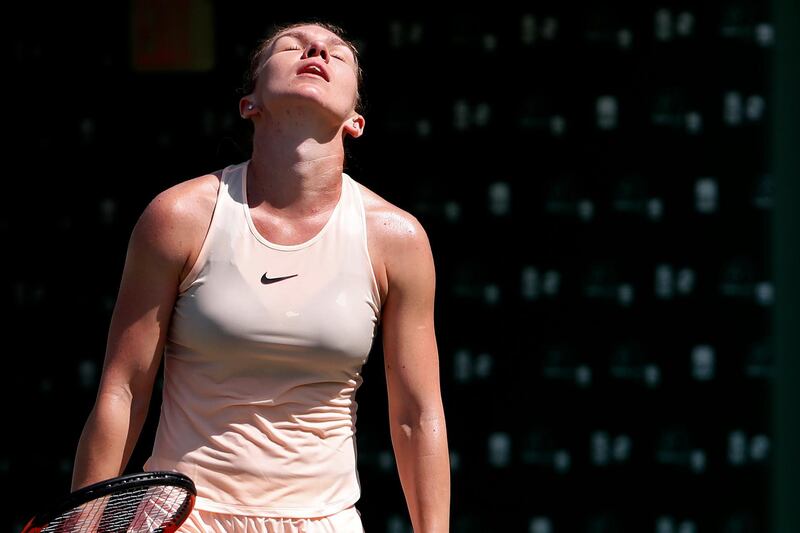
(188, 201)
(175, 221)
(398, 239)
(392, 224)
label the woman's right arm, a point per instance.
(156, 255)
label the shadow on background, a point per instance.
(786, 236)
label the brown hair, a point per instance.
(257, 56)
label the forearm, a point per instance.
(108, 439)
(423, 464)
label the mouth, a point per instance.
(314, 70)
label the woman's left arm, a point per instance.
(411, 361)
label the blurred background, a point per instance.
(616, 275)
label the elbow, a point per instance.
(123, 399)
(423, 435)
(430, 417)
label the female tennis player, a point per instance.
(263, 285)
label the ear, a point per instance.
(354, 126)
(247, 107)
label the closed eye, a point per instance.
(298, 48)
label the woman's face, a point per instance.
(295, 49)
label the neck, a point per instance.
(297, 161)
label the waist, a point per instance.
(274, 493)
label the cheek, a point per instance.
(275, 71)
(349, 80)
(272, 71)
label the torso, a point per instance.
(378, 213)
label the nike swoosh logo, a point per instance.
(266, 281)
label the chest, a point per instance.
(281, 231)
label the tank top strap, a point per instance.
(224, 212)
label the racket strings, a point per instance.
(137, 510)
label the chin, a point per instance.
(318, 105)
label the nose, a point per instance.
(317, 47)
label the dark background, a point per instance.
(599, 188)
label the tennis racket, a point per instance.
(147, 502)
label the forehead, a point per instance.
(305, 33)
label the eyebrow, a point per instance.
(301, 35)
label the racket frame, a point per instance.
(111, 486)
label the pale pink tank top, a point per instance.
(263, 361)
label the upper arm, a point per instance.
(411, 356)
(156, 254)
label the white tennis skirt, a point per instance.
(199, 521)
